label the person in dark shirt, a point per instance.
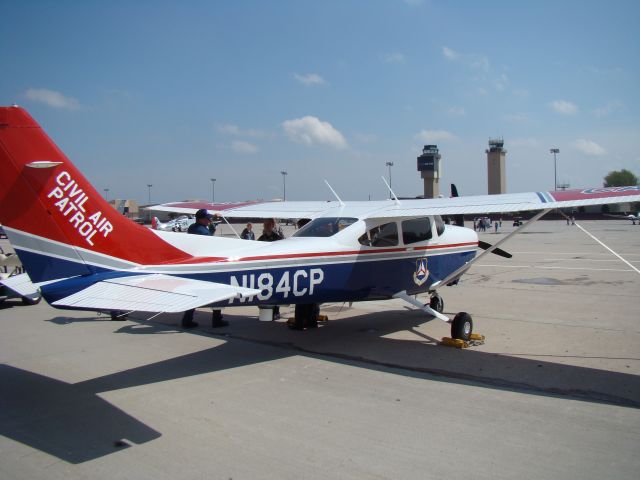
(269, 234)
(201, 227)
(247, 233)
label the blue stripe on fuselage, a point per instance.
(330, 282)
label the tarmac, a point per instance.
(554, 391)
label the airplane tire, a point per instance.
(462, 326)
(437, 303)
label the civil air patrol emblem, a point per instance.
(422, 273)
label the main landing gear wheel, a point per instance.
(462, 326)
(437, 303)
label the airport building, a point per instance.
(496, 171)
(429, 168)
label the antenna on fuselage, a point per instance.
(392, 193)
(335, 194)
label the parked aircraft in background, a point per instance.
(84, 255)
(631, 217)
(180, 224)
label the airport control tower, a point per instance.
(496, 171)
(429, 168)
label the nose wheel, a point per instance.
(462, 326)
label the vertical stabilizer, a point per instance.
(56, 221)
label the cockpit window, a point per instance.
(382, 236)
(325, 227)
(416, 230)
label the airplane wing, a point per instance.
(152, 293)
(190, 208)
(21, 284)
(503, 203)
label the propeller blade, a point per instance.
(498, 251)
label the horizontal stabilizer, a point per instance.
(152, 293)
(21, 284)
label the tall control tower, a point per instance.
(496, 171)
(429, 168)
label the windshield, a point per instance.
(325, 227)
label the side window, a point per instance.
(439, 225)
(382, 236)
(416, 230)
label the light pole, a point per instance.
(213, 191)
(106, 194)
(389, 164)
(284, 184)
(149, 187)
(555, 167)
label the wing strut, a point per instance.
(335, 194)
(466, 266)
(418, 304)
(232, 229)
(392, 192)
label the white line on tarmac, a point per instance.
(585, 260)
(572, 253)
(585, 231)
(558, 268)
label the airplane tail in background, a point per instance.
(59, 225)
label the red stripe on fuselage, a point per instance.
(286, 256)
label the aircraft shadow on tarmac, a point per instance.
(63, 420)
(72, 422)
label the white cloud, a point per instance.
(471, 60)
(589, 147)
(311, 131)
(230, 129)
(433, 136)
(608, 109)
(395, 57)
(244, 148)
(52, 98)
(501, 82)
(478, 61)
(563, 107)
(310, 79)
(450, 54)
(456, 112)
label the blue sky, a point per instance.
(175, 93)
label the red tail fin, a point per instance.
(45, 197)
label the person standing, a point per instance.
(247, 233)
(201, 227)
(269, 234)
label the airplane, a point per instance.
(179, 224)
(82, 254)
(631, 217)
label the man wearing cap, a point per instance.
(201, 227)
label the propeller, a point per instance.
(498, 251)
